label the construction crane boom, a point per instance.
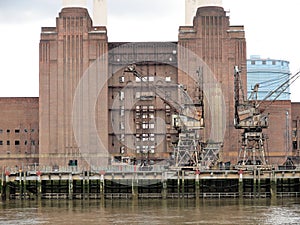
(250, 118)
(187, 120)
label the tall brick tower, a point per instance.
(221, 47)
(66, 52)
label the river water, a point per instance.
(182, 211)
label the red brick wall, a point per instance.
(221, 47)
(19, 131)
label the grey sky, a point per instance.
(271, 31)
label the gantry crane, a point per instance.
(188, 120)
(250, 117)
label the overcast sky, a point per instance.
(272, 28)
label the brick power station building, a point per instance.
(91, 107)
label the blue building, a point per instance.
(269, 74)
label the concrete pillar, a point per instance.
(83, 184)
(197, 186)
(24, 184)
(20, 184)
(102, 186)
(88, 184)
(70, 186)
(241, 185)
(164, 189)
(135, 188)
(182, 183)
(254, 183)
(178, 184)
(1, 187)
(273, 188)
(39, 187)
(7, 188)
(258, 183)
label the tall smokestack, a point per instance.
(100, 13)
(74, 3)
(191, 7)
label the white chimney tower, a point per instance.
(74, 3)
(191, 7)
(100, 12)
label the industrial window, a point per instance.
(25, 142)
(137, 138)
(122, 95)
(151, 79)
(137, 79)
(122, 126)
(17, 131)
(294, 133)
(17, 142)
(7, 142)
(8, 130)
(295, 146)
(1, 142)
(152, 149)
(122, 110)
(122, 150)
(138, 149)
(122, 137)
(145, 126)
(121, 79)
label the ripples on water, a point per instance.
(158, 212)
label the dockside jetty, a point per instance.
(134, 182)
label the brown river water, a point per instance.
(171, 211)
